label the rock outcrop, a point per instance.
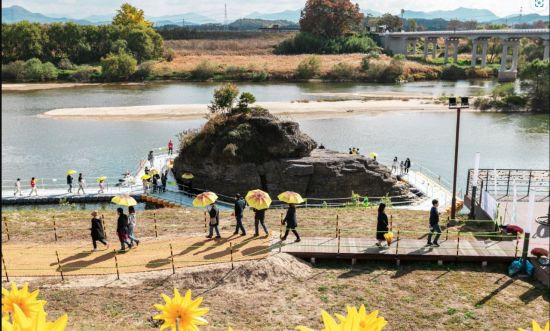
(275, 156)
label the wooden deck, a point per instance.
(404, 249)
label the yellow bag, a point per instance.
(389, 237)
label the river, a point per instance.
(46, 148)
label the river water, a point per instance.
(46, 148)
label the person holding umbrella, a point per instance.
(97, 231)
(214, 214)
(292, 198)
(81, 183)
(101, 183)
(238, 213)
(259, 201)
(122, 229)
(70, 180)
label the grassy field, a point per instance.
(73, 225)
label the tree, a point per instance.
(537, 76)
(140, 44)
(392, 22)
(129, 15)
(330, 18)
(245, 100)
(119, 66)
(412, 25)
(454, 25)
(224, 98)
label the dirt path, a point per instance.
(154, 254)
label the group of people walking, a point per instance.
(400, 168)
(81, 184)
(259, 220)
(126, 225)
(354, 151)
(17, 189)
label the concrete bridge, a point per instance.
(399, 42)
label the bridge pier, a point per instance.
(505, 74)
(484, 46)
(474, 53)
(454, 42)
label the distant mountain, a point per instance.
(294, 15)
(461, 13)
(256, 23)
(187, 18)
(515, 19)
(15, 14)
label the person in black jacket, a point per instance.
(163, 180)
(214, 214)
(407, 165)
(70, 183)
(122, 229)
(239, 209)
(97, 231)
(291, 223)
(434, 224)
(381, 225)
(259, 218)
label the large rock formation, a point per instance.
(257, 150)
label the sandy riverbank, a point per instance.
(311, 109)
(50, 86)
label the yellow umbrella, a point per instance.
(205, 199)
(102, 178)
(290, 197)
(154, 171)
(145, 177)
(124, 200)
(373, 155)
(71, 172)
(258, 199)
(187, 175)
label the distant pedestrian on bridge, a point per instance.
(164, 180)
(151, 159)
(381, 225)
(407, 165)
(17, 187)
(394, 165)
(81, 184)
(291, 223)
(70, 183)
(434, 224)
(122, 229)
(33, 187)
(132, 223)
(170, 147)
(239, 210)
(97, 231)
(101, 186)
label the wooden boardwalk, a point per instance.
(404, 249)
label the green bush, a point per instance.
(259, 75)
(503, 90)
(245, 100)
(515, 101)
(358, 44)
(120, 66)
(393, 72)
(224, 98)
(144, 70)
(399, 57)
(119, 45)
(13, 71)
(306, 43)
(341, 71)
(169, 54)
(204, 70)
(85, 74)
(65, 64)
(35, 70)
(453, 72)
(308, 67)
(301, 43)
(365, 63)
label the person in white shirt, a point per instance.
(81, 184)
(17, 187)
(394, 165)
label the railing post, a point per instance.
(155, 222)
(391, 222)
(517, 245)
(54, 228)
(59, 266)
(337, 226)
(338, 241)
(529, 185)
(172, 258)
(457, 245)
(6, 227)
(481, 193)
(116, 265)
(231, 252)
(5, 269)
(103, 226)
(508, 183)
(397, 243)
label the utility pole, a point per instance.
(402, 21)
(183, 22)
(453, 104)
(225, 17)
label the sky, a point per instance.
(239, 8)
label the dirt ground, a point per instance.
(281, 292)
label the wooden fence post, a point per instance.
(391, 222)
(155, 221)
(338, 235)
(6, 227)
(337, 225)
(59, 265)
(172, 258)
(397, 243)
(457, 245)
(103, 226)
(517, 244)
(5, 269)
(116, 265)
(205, 222)
(281, 229)
(54, 228)
(231, 252)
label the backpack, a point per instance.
(213, 212)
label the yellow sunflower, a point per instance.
(37, 323)
(184, 309)
(356, 320)
(537, 327)
(26, 301)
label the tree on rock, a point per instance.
(225, 97)
(128, 15)
(330, 18)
